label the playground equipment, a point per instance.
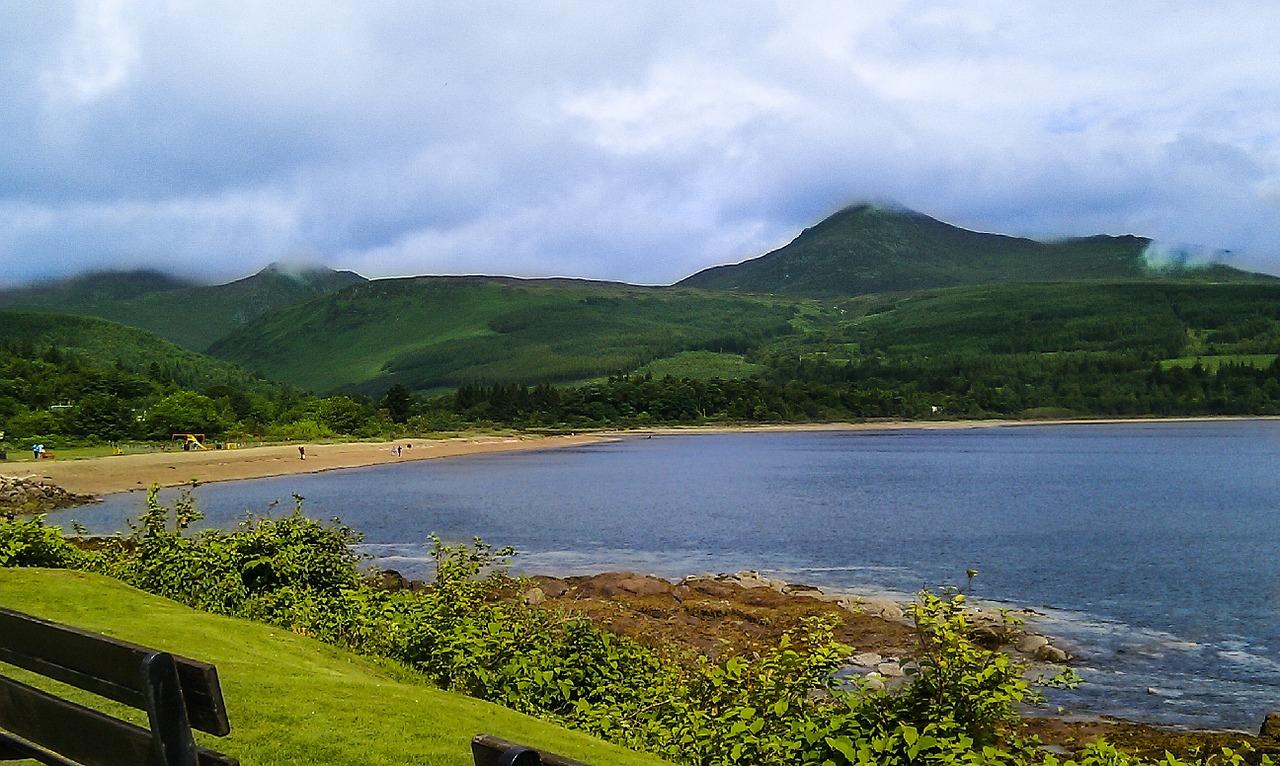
(190, 441)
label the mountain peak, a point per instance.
(872, 247)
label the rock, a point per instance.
(874, 681)
(390, 579)
(611, 584)
(1051, 653)
(681, 592)
(890, 670)
(792, 589)
(534, 596)
(31, 495)
(987, 637)
(1271, 726)
(867, 659)
(1030, 643)
(553, 587)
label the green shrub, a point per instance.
(28, 542)
(467, 632)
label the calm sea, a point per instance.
(1152, 550)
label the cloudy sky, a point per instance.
(637, 141)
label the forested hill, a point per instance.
(440, 332)
(192, 316)
(870, 249)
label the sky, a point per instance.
(635, 141)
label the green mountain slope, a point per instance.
(432, 332)
(871, 249)
(100, 343)
(1164, 319)
(191, 316)
(91, 288)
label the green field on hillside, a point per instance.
(1212, 363)
(701, 365)
(292, 699)
(435, 332)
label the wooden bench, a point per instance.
(492, 751)
(177, 694)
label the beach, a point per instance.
(123, 473)
(170, 468)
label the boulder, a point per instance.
(534, 596)
(390, 579)
(1031, 643)
(612, 584)
(987, 637)
(1051, 653)
(867, 659)
(890, 670)
(1271, 726)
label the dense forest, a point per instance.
(51, 393)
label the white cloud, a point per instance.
(98, 55)
(619, 140)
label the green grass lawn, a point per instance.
(292, 700)
(1213, 362)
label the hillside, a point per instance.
(433, 332)
(290, 698)
(91, 288)
(1173, 321)
(191, 316)
(871, 249)
(100, 343)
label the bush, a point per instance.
(468, 633)
(28, 542)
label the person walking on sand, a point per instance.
(302, 452)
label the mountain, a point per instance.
(872, 248)
(435, 332)
(91, 288)
(192, 316)
(100, 343)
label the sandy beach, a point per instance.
(123, 473)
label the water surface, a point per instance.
(1151, 548)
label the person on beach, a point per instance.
(35, 451)
(302, 452)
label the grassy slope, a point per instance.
(191, 316)
(103, 344)
(868, 249)
(428, 332)
(1163, 318)
(291, 699)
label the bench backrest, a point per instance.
(178, 694)
(487, 750)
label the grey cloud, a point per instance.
(616, 140)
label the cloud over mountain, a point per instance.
(615, 140)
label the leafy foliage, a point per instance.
(468, 632)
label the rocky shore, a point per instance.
(31, 495)
(745, 611)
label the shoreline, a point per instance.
(114, 474)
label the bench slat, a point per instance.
(487, 750)
(107, 667)
(74, 731)
(73, 735)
